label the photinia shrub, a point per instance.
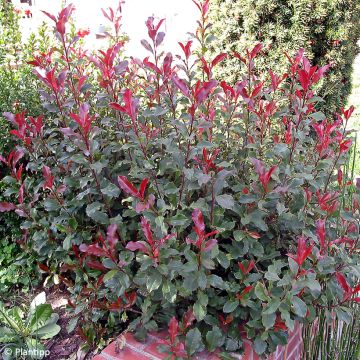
(163, 198)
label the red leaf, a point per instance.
(244, 292)
(245, 270)
(44, 268)
(347, 113)
(21, 193)
(143, 187)
(116, 305)
(118, 107)
(131, 298)
(112, 236)
(93, 249)
(255, 51)
(52, 17)
(145, 225)
(218, 59)
(264, 176)
(203, 92)
(227, 89)
(340, 177)
(137, 245)
(188, 318)
(321, 234)
(344, 285)
(238, 56)
(127, 186)
(304, 79)
(181, 85)
(186, 48)
(151, 65)
(198, 219)
(6, 206)
(97, 265)
(210, 244)
(173, 329)
(49, 178)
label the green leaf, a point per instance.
(49, 330)
(217, 282)
(199, 311)
(169, 291)
(214, 339)
(191, 283)
(223, 260)
(203, 179)
(260, 292)
(290, 323)
(225, 201)
(111, 191)
(193, 341)
(268, 320)
(72, 324)
(239, 235)
(92, 210)
(272, 306)
(179, 220)
(153, 281)
(202, 280)
(318, 116)
(272, 273)
(344, 314)
(299, 306)
(51, 205)
(38, 316)
(260, 346)
(281, 150)
(35, 348)
(230, 306)
(7, 335)
(257, 218)
(110, 274)
(293, 265)
(73, 223)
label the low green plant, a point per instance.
(17, 269)
(21, 332)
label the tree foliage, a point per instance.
(328, 30)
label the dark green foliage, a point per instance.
(18, 92)
(327, 29)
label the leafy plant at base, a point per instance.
(162, 197)
(20, 334)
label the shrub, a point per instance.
(18, 92)
(327, 30)
(162, 197)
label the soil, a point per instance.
(63, 346)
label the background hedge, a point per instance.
(328, 30)
(18, 92)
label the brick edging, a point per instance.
(126, 347)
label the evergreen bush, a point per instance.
(328, 30)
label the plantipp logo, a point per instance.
(33, 353)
